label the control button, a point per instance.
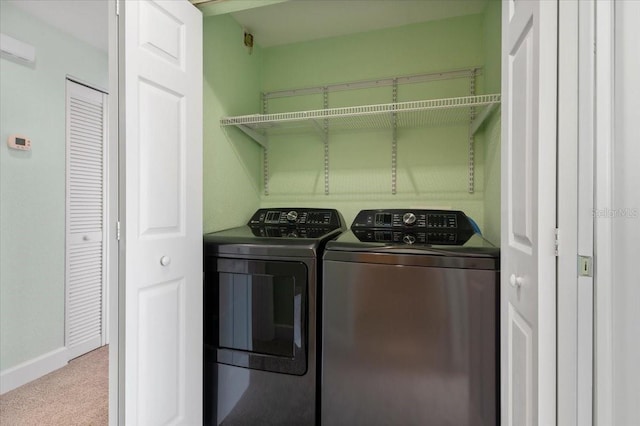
(383, 219)
(409, 239)
(409, 218)
(292, 216)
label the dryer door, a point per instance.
(255, 314)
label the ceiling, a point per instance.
(83, 19)
(303, 20)
(282, 22)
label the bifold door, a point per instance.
(161, 267)
(85, 219)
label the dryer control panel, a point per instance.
(297, 217)
(295, 222)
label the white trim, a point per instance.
(585, 224)
(568, 106)
(112, 207)
(35, 368)
(547, 67)
(87, 84)
(604, 132)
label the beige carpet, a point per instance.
(77, 394)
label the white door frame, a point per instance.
(113, 277)
(604, 136)
(576, 103)
(567, 211)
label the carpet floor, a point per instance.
(76, 394)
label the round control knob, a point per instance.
(409, 218)
(165, 260)
(409, 239)
(292, 216)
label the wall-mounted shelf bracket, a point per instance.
(265, 151)
(472, 117)
(258, 137)
(325, 140)
(480, 118)
(394, 140)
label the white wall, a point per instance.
(32, 185)
(625, 217)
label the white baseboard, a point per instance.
(21, 374)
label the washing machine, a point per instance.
(260, 327)
(410, 322)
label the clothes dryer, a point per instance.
(260, 308)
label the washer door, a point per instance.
(256, 314)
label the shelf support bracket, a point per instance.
(265, 151)
(472, 119)
(258, 137)
(394, 139)
(479, 120)
(325, 140)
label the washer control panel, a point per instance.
(409, 227)
(409, 238)
(402, 219)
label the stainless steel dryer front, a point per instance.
(260, 330)
(410, 322)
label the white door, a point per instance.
(161, 139)
(85, 255)
(528, 283)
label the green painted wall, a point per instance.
(492, 130)
(432, 163)
(32, 184)
(232, 161)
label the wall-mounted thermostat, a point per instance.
(19, 142)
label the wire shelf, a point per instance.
(423, 113)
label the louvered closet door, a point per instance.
(85, 227)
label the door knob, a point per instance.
(516, 281)
(165, 260)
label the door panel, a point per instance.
(162, 331)
(520, 188)
(520, 368)
(162, 142)
(162, 34)
(162, 183)
(528, 282)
